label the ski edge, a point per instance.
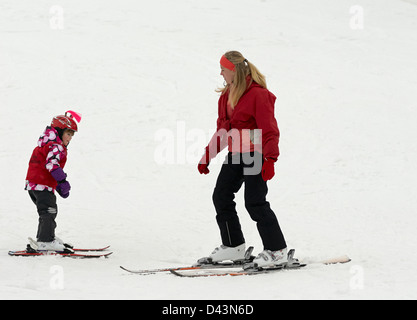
(233, 273)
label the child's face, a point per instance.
(67, 136)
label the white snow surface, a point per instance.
(144, 74)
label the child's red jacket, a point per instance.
(49, 155)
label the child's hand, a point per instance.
(63, 189)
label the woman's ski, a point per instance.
(220, 273)
(203, 263)
(246, 267)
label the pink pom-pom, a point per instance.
(75, 115)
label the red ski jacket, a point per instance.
(254, 110)
(49, 155)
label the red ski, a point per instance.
(24, 253)
(68, 252)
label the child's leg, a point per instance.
(45, 202)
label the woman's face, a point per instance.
(227, 74)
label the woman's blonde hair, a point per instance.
(243, 69)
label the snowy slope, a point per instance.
(143, 74)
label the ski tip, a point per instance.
(102, 249)
(123, 268)
(176, 273)
(85, 250)
(341, 259)
(82, 256)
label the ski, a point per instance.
(248, 269)
(54, 253)
(341, 259)
(184, 268)
(73, 249)
(218, 273)
(152, 271)
(205, 267)
(251, 269)
(31, 251)
(203, 263)
(85, 250)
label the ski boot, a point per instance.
(228, 255)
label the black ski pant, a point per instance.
(45, 202)
(234, 172)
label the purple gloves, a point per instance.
(63, 188)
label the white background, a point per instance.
(344, 73)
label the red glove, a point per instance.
(217, 143)
(204, 163)
(268, 171)
(203, 168)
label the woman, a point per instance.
(246, 123)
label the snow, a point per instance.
(143, 74)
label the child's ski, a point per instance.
(31, 251)
(73, 249)
(34, 245)
(85, 250)
(24, 253)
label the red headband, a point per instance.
(227, 64)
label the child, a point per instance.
(45, 175)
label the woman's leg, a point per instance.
(229, 181)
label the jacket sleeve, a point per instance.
(55, 155)
(265, 120)
(219, 139)
(217, 143)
